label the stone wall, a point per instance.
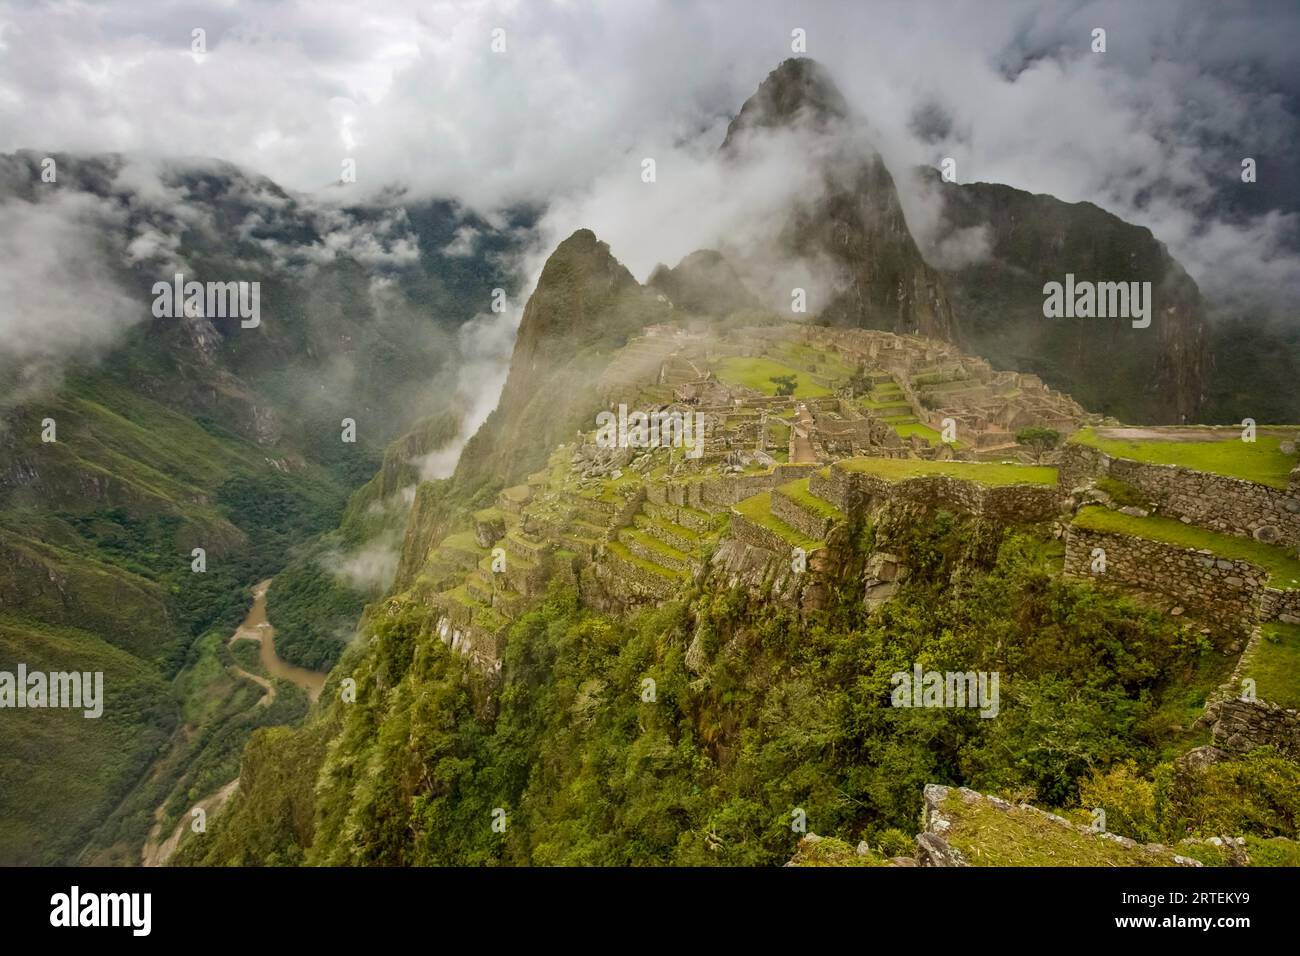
(1008, 504)
(852, 491)
(837, 487)
(718, 494)
(756, 536)
(804, 520)
(1243, 725)
(481, 646)
(1228, 505)
(1278, 605)
(1227, 593)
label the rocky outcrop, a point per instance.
(961, 823)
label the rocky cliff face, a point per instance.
(1021, 241)
(856, 227)
(991, 299)
(585, 305)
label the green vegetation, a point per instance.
(621, 550)
(314, 614)
(785, 384)
(758, 509)
(1123, 494)
(758, 373)
(1276, 664)
(986, 473)
(828, 851)
(64, 773)
(797, 490)
(991, 836)
(1041, 440)
(1257, 795)
(1260, 461)
(1283, 569)
(774, 714)
(130, 488)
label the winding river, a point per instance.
(257, 628)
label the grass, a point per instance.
(1260, 461)
(1283, 569)
(1122, 493)
(989, 836)
(758, 509)
(829, 851)
(755, 373)
(1275, 665)
(680, 530)
(654, 545)
(908, 429)
(622, 551)
(986, 473)
(798, 492)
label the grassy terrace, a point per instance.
(1261, 460)
(1283, 569)
(758, 509)
(798, 492)
(825, 364)
(912, 427)
(755, 373)
(986, 473)
(988, 836)
(621, 550)
(1276, 664)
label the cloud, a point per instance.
(371, 568)
(60, 294)
(1152, 130)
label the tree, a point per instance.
(785, 384)
(1040, 439)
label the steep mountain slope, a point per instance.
(703, 282)
(854, 230)
(585, 305)
(1155, 374)
(991, 303)
(196, 432)
(651, 679)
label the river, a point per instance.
(257, 628)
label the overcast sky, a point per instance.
(1153, 130)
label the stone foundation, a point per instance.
(1230, 594)
(1229, 505)
(1242, 726)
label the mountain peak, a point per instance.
(800, 90)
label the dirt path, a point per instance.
(156, 853)
(801, 448)
(266, 685)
